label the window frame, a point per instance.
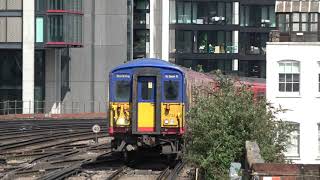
(295, 155)
(176, 83)
(291, 93)
(193, 16)
(115, 98)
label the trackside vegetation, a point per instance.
(219, 124)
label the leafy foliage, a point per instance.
(219, 125)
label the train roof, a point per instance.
(148, 62)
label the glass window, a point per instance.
(122, 91)
(187, 13)
(40, 5)
(147, 89)
(14, 29)
(14, 4)
(319, 139)
(183, 41)
(289, 76)
(213, 42)
(3, 29)
(314, 22)
(39, 29)
(140, 43)
(228, 17)
(319, 82)
(171, 90)
(55, 28)
(141, 4)
(180, 12)
(293, 147)
(3, 4)
(55, 4)
(257, 16)
(172, 12)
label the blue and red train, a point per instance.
(148, 100)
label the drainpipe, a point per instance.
(93, 28)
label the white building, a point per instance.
(293, 81)
(293, 75)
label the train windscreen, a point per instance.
(122, 91)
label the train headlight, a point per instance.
(121, 121)
(172, 122)
(166, 121)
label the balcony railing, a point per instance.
(51, 107)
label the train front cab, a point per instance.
(147, 109)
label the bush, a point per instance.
(219, 125)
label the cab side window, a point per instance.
(171, 90)
(122, 91)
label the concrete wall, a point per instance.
(102, 51)
(304, 105)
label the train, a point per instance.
(148, 101)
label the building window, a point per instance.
(141, 4)
(284, 22)
(319, 139)
(184, 41)
(200, 12)
(70, 5)
(257, 16)
(40, 6)
(318, 76)
(293, 149)
(10, 5)
(65, 28)
(65, 72)
(141, 43)
(10, 29)
(39, 81)
(55, 23)
(304, 22)
(254, 43)
(215, 42)
(289, 76)
(314, 22)
(39, 29)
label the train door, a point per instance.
(146, 104)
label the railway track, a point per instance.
(171, 174)
(53, 149)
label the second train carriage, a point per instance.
(147, 106)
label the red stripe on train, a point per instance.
(146, 129)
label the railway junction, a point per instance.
(66, 148)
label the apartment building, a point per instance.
(55, 55)
(293, 75)
(226, 35)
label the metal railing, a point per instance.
(53, 107)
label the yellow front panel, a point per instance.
(120, 114)
(172, 114)
(146, 117)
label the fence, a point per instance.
(54, 107)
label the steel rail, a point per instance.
(164, 174)
(175, 172)
(117, 174)
(42, 140)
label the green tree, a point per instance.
(219, 125)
